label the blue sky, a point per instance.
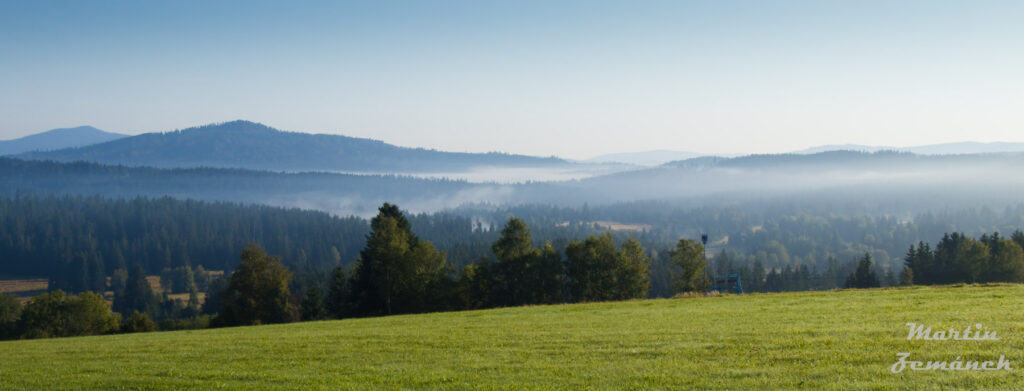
(575, 79)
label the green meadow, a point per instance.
(811, 340)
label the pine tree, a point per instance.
(137, 295)
(634, 279)
(591, 266)
(337, 293)
(864, 276)
(396, 272)
(312, 307)
(524, 273)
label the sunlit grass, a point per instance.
(814, 340)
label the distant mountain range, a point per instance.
(659, 157)
(644, 158)
(249, 145)
(57, 139)
(244, 144)
(962, 148)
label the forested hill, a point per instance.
(848, 160)
(884, 176)
(57, 139)
(342, 194)
(243, 144)
(908, 183)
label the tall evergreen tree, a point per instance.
(137, 295)
(689, 256)
(864, 276)
(312, 306)
(396, 272)
(215, 292)
(755, 283)
(525, 274)
(1005, 262)
(337, 294)
(474, 287)
(591, 268)
(634, 279)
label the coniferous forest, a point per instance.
(304, 265)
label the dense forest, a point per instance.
(76, 241)
(398, 272)
(337, 193)
(847, 183)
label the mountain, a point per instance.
(244, 144)
(962, 148)
(967, 148)
(644, 158)
(842, 147)
(57, 139)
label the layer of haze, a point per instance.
(574, 79)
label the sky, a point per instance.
(568, 78)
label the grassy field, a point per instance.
(822, 340)
(24, 288)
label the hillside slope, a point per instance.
(244, 144)
(909, 182)
(813, 340)
(57, 139)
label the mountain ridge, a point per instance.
(246, 144)
(955, 148)
(56, 139)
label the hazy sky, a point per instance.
(574, 79)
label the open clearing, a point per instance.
(811, 340)
(19, 286)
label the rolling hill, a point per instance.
(911, 182)
(57, 139)
(336, 193)
(244, 144)
(832, 340)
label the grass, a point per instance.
(814, 340)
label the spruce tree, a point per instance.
(864, 276)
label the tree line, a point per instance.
(396, 273)
(77, 241)
(959, 258)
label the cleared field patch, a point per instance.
(838, 340)
(18, 286)
(25, 289)
(612, 226)
(154, 282)
(201, 296)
